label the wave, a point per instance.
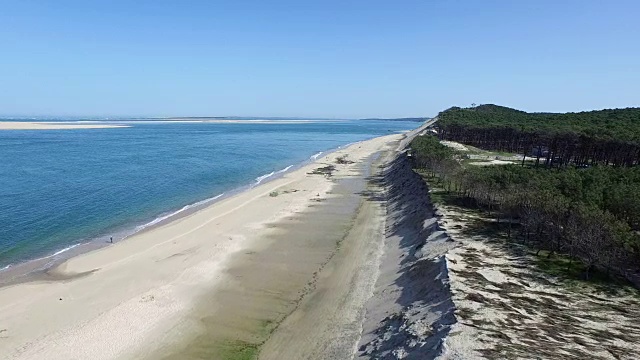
(315, 156)
(284, 170)
(260, 179)
(182, 209)
(6, 267)
(62, 251)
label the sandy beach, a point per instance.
(221, 281)
(23, 125)
(344, 258)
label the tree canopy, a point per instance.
(610, 136)
(592, 214)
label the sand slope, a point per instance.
(411, 310)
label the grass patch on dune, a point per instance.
(243, 345)
(561, 266)
(572, 273)
(437, 194)
(440, 197)
(243, 350)
(267, 327)
(206, 348)
(238, 350)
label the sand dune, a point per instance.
(507, 308)
(411, 311)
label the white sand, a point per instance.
(506, 308)
(454, 145)
(492, 162)
(142, 288)
(19, 125)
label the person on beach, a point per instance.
(111, 239)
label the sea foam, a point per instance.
(182, 209)
(260, 179)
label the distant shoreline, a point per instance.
(24, 125)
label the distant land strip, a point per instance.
(21, 125)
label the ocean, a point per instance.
(63, 188)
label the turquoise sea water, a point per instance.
(59, 188)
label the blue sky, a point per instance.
(315, 58)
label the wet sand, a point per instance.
(298, 292)
(327, 323)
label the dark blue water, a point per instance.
(62, 187)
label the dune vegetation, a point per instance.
(578, 205)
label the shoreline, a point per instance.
(135, 291)
(37, 268)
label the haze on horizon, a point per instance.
(328, 59)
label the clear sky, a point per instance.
(328, 58)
